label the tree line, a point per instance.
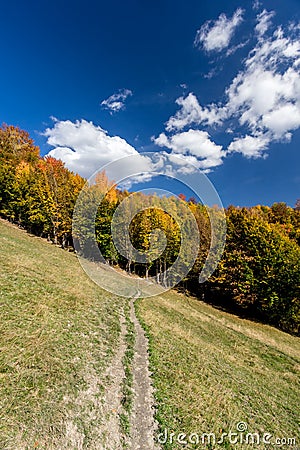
(258, 275)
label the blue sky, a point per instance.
(215, 83)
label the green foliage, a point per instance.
(260, 269)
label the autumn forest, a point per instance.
(259, 273)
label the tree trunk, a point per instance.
(165, 274)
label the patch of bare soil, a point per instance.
(143, 425)
(111, 404)
(101, 409)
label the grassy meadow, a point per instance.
(213, 370)
(58, 331)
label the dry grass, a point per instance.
(213, 370)
(58, 331)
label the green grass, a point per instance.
(212, 370)
(58, 332)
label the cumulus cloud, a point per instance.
(216, 35)
(192, 112)
(282, 120)
(250, 146)
(265, 96)
(194, 146)
(261, 104)
(85, 147)
(116, 102)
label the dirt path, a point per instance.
(143, 426)
(142, 423)
(101, 411)
(111, 403)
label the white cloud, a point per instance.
(255, 93)
(265, 96)
(263, 21)
(250, 146)
(275, 49)
(216, 35)
(256, 4)
(232, 50)
(192, 112)
(292, 51)
(193, 145)
(282, 120)
(85, 147)
(211, 73)
(116, 102)
(262, 103)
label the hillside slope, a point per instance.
(213, 370)
(58, 332)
